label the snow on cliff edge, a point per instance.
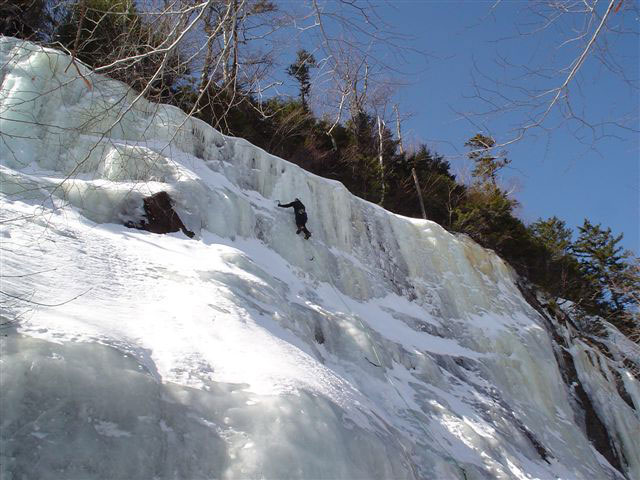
(384, 347)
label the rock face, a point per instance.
(160, 217)
(382, 347)
(603, 434)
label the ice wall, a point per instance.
(142, 147)
(431, 364)
(123, 424)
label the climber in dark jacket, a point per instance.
(301, 216)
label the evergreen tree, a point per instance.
(554, 234)
(555, 268)
(486, 216)
(360, 157)
(627, 286)
(486, 213)
(604, 263)
(99, 32)
(486, 165)
(94, 29)
(300, 71)
(439, 189)
(27, 19)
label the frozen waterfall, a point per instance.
(383, 347)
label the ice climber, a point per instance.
(301, 216)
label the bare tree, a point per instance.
(353, 44)
(413, 169)
(381, 125)
(583, 40)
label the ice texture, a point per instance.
(383, 347)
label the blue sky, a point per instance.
(554, 173)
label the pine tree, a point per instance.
(486, 214)
(554, 234)
(627, 286)
(360, 156)
(28, 19)
(486, 165)
(300, 71)
(603, 262)
(101, 32)
(438, 186)
(555, 268)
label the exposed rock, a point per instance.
(160, 217)
(595, 428)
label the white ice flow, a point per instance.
(383, 347)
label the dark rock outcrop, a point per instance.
(160, 217)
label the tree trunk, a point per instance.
(420, 199)
(234, 27)
(413, 170)
(206, 67)
(381, 160)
